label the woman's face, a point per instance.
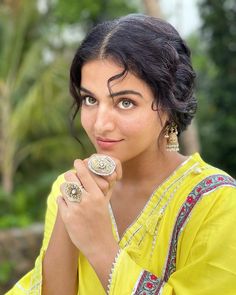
(124, 126)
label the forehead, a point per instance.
(96, 73)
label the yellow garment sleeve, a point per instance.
(210, 268)
(31, 283)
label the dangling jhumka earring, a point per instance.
(171, 133)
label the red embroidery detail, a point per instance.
(149, 285)
(209, 181)
(190, 200)
(153, 277)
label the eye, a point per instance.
(126, 104)
(89, 100)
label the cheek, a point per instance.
(144, 124)
(130, 126)
(86, 122)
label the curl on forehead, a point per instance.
(101, 75)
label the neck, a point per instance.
(152, 167)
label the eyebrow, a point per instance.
(123, 92)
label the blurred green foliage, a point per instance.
(218, 104)
(90, 12)
(6, 268)
(37, 43)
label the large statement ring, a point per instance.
(73, 191)
(101, 165)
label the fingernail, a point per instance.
(77, 161)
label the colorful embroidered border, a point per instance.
(148, 284)
(208, 184)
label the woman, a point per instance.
(137, 217)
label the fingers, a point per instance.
(111, 179)
(105, 183)
(69, 176)
(87, 180)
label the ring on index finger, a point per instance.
(101, 165)
(73, 191)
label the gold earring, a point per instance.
(171, 133)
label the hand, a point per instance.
(88, 223)
(106, 183)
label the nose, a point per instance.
(104, 121)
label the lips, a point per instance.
(108, 139)
(107, 142)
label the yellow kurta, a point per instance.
(182, 243)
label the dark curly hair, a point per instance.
(151, 49)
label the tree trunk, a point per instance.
(7, 180)
(152, 7)
(7, 145)
(189, 140)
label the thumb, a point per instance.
(108, 195)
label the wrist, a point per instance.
(102, 262)
(102, 254)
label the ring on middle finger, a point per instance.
(73, 191)
(101, 165)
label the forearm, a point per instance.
(60, 264)
(102, 262)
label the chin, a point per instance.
(110, 153)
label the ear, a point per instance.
(163, 117)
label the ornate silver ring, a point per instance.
(73, 191)
(101, 165)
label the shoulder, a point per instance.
(200, 179)
(213, 189)
(211, 201)
(208, 187)
(210, 178)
